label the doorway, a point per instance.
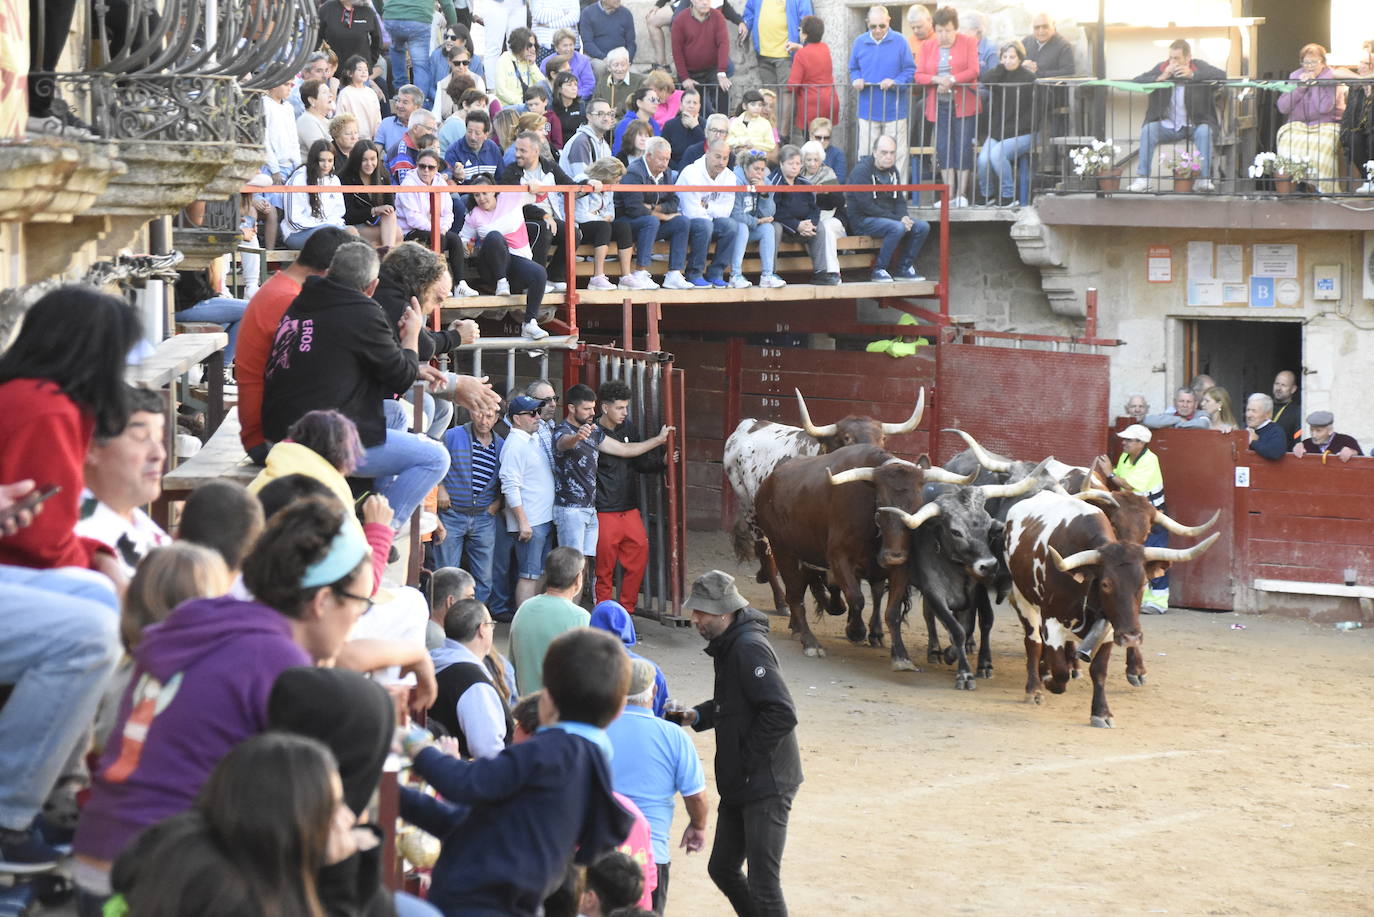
(1243, 356)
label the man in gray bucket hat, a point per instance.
(758, 766)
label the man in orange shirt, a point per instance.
(259, 327)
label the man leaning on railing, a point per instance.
(881, 69)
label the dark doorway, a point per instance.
(1243, 357)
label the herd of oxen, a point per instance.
(827, 508)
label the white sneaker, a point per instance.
(959, 201)
(740, 282)
(555, 287)
(532, 331)
(644, 278)
(675, 281)
(658, 256)
(600, 282)
(632, 281)
(1140, 185)
(1204, 184)
(503, 287)
(1366, 188)
(463, 289)
(772, 281)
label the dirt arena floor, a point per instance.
(1239, 779)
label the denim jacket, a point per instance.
(751, 205)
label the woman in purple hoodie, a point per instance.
(1313, 131)
(202, 678)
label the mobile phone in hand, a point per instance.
(31, 502)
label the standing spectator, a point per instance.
(588, 143)
(701, 53)
(1200, 384)
(409, 22)
(975, 27)
(516, 70)
(496, 232)
(1357, 124)
(881, 68)
(811, 80)
(1312, 131)
(1285, 407)
(1136, 408)
(1047, 53)
(950, 65)
(475, 153)
(686, 129)
(1187, 111)
(1183, 414)
(620, 528)
(470, 498)
(468, 705)
(758, 766)
(604, 26)
(408, 99)
(527, 484)
(710, 215)
(1216, 404)
(618, 82)
(542, 618)
(422, 128)
(359, 99)
(414, 216)
(199, 298)
(352, 28)
(1011, 130)
(448, 586)
(596, 224)
(534, 171)
(798, 216)
(313, 124)
(371, 214)
(654, 215)
(549, 17)
(1324, 440)
(822, 131)
(1266, 437)
(883, 213)
(922, 28)
(775, 27)
(1137, 470)
(310, 212)
(500, 19)
(565, 45)
(754, 212)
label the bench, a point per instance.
(221, 457)
(170, 361)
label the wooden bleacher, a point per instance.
(221, 457)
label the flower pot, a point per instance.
(1109, 181)
(1284, 184)
(1185, 183)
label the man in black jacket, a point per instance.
(882, 212)
(335, 350)
(350, 27)
(548, 235)
(1186, 111)
(758, 766)
(620, 535)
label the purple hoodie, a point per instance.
(200, 686)
(1311, 104)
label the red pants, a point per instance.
(620, 537)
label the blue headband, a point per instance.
(346, 551)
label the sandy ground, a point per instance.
(1239, 779)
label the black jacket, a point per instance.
(358, 206)
(752, 713)
(882, 201)
(792, 209)
(334, 349)
(1198, 98)
(394, 300)
(514, 175)
(631, 204)
(1012, 97)
(617, 478)
(680, 137)
(1055, 58)
(349, 32)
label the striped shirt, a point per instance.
(484, 467)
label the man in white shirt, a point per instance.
(709, 212)
(527, 485)
(468, 705)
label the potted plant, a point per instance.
(1368, 186)
(1186, 166)
(1098, 160)
(1284, 171)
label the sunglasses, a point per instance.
(525, 414)
(463, 62)
(820, 136)
(426, 168)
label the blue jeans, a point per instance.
(59, 642)
(648, 229)
(1010, 160)
(577, 528)
(768, 246)
(224, 311)
(412, 36)
(702, 231)
(905, 244)
(405, 468)
(502, 594)
(1156, 133)
(476, 534)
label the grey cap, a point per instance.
(715, 594)
(641, 676)
(1320, 419)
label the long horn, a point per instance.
(914, 520)
(864, 473)
(1074, 561)
(1020, 488)
(896, 429)
(807, 425)
(938, 475)
(1179, 555)
(1179, 528)
(1100, 497)
(984, 457)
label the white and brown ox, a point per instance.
(757, 447)
(1074, 582)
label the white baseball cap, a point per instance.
(1136, 431)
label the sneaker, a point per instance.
(503, 287)
(534, 353)
(555, 286)
(959, 201)
(1366, 188)
(1140, 185)
(1153, 610)
(532, 331)
(24, 852)
(600, 282)
(463, 289)
(1204, 185)
(824, 279)
(740, 282)
(646, 280)
(632, 281)
(717, 282)
(907, 272)
(772, 281)
(880, 276)
(675, 281)
(697, 282)
(658, 256)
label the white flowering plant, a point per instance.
(1272, 165)
(1369, 171)
(1094, 159)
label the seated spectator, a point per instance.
(535, 124)
(710, 215)
(1216, 404)
(686, 128)
(371, 214)
(1357, 123)
(223, 516)
(475, 153)
(1136, 408)
(516, 70)
(313, 124)
(454, 128)
(447, 586)
(588, 143)
(534, 169)
(359, 99)
(199, 297)
(1010, 89)
(459, 78)
(883, 213)
(1266, 437)
(469, 706)
(755, 212)
(343, 136)
(881, 67)
(642, 106)
(717, 128)
(701, 53)
(798, 217)
(124, 473)
(652, 216)
(1323, 439)
(811, 80)
(619, 82)
(821, 131)
(307, 214)
(336, 349)
(568, 109)
(950, 65)
(423, 129)
(317, 67)
(579, 64)
(633, 143)
(816, 172)
(669, 96)
(408, 100)
(1048, 54)
(1188, 111)
(606, 27)
(537, 103)
(414, 216)
(495, 234)
(1312, 131)
(750, 130)
(441, 66)
(1285, 407)
(470, 498)
(596, 225)
(505, 848)
(1183, 414)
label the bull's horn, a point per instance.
(1180, 555)
(807, 425)
(914, 520)
(984, 457)
(864, 473)
(938, 475)
(1074, 561)
(1179, 528)
(1020, 488)
(896, 429)
(1100, 497)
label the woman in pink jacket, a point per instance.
(496, 234)
(950, 66)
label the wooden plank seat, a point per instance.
(221, 457)
(174, 357)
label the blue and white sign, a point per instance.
(1262, 292)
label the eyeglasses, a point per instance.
(426, 168)
(820, 136)
(716, 130)
(450, 36)
(367, 602)
(880, 27)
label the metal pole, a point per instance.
(944, 255)
(627, 319)
(570, 255)
(417, 550)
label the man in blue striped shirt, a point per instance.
(470, 498)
